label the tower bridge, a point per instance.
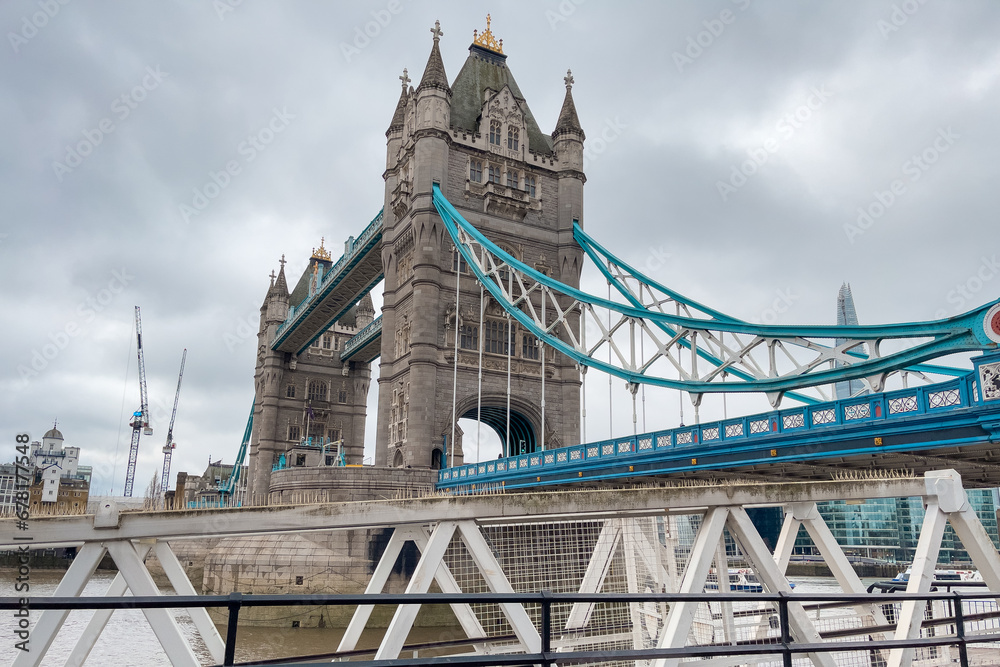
(480, 246)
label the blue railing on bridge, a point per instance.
(362, 337)
(930, 399)
(356, 245)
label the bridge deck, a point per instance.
(353, 276)
(366, 345)
(917, 429)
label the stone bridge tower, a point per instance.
(478, 139)
(313, 401)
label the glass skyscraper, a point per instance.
(847, 315)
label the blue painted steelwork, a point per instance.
(362, 339)
(944, 414)
(234, 477)
(358, 251)
(958, 334)
(604, 260)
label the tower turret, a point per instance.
(567, 139)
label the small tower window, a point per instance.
(317, 391)
(512, 179)
(496, 337)
(293, 433)
(495, 132)
(470, 337)
(342, 396)
(476, 171)
(494, 174)
(529, 347)
(512, 136)
(458, 262)
(290, 392)
(327, 341)
(529, 185)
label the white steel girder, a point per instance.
(100, 619)
(444, 578)
(623, 511)
(132, 576)
(431, 560)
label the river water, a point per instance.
(128, 640)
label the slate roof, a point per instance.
(568, 120)
(485, 69)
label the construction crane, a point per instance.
(168, 449)
(140, 418)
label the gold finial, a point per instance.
(321, 252)
(486, 39)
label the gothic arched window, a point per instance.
(317, 391)
(512, 179)
(529, 346)
(512, 136)
(529, 185)
(476, 171)
(496, 337)
(470, 337)
(458, 262)
(494, 174)
(495, 132)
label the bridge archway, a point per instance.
(524, 422)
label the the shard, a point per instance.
(847, 315)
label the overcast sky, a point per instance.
(117, 114)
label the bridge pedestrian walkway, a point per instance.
(349, 279)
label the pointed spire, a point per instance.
(280, 283)
(434, 74)
(365, 305)
(398, 118)
(568, 121)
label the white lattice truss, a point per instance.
(623, 540)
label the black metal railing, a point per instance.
(783, 645)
